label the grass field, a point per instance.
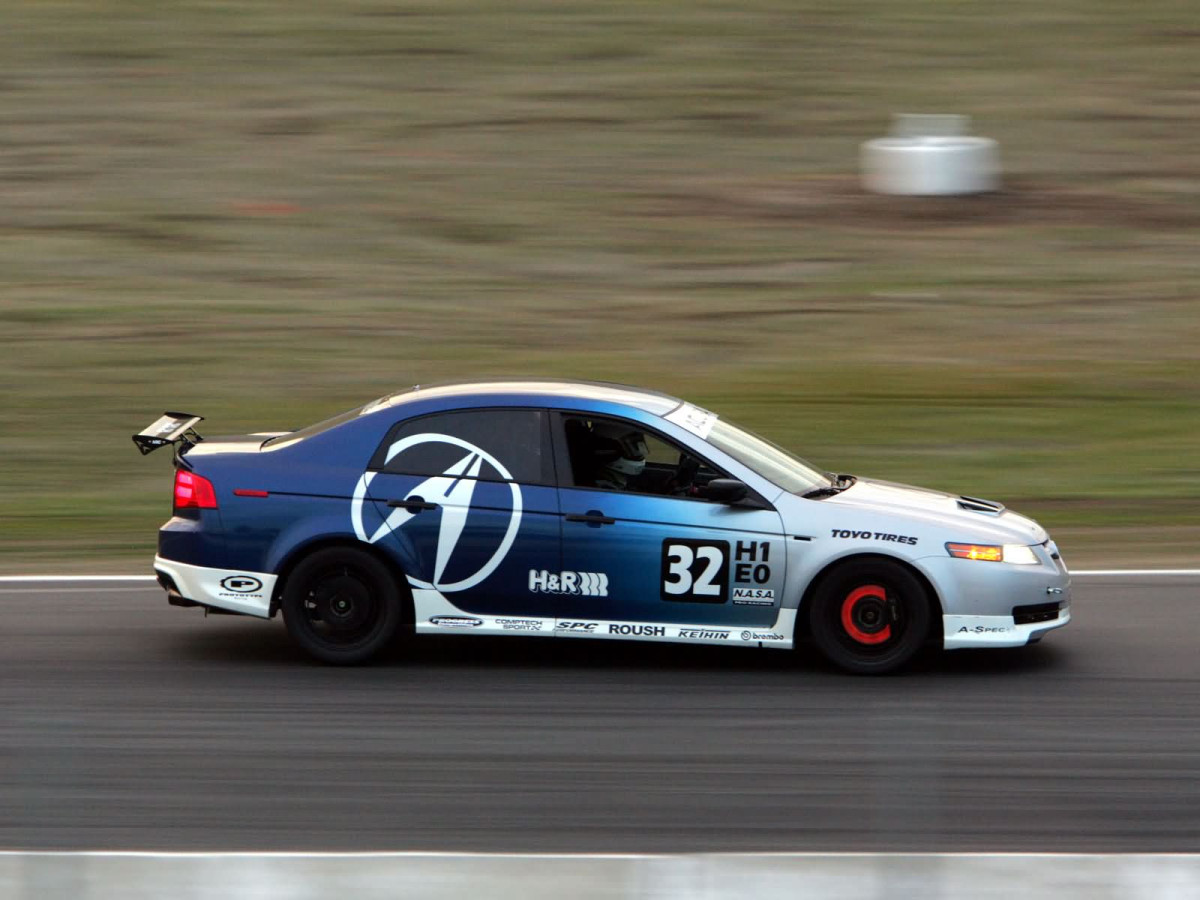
(268, 212)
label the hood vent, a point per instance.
(974, 504)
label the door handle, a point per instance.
(592, 517)
(413, 504)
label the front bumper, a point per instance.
(996, 631)
(994, 604)
(235, 591)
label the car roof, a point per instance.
(535, 389)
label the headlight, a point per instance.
(1017, 554)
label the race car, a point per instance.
(586, 510)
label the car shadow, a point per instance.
(236, 640)
(247, 642)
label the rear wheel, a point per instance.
(341, 605)
(870, 617)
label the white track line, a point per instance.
(19, 579)
(1120, 572)
(63, 591)
(451, 854)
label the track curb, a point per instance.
(433, 876)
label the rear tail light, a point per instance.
(193, 491)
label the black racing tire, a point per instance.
(342, 606)
(870, 616)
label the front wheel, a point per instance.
(870, 617)
(341, 605)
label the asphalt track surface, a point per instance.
(128, 724)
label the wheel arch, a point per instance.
(296, 554)
(937, 610)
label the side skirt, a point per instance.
(435, 614)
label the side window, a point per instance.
(488, 444)
(616, 455)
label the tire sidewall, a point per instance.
(382, 585)
(830, 637)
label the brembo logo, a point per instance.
(452, 491)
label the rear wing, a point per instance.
(171, 428)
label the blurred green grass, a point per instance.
(268, 212)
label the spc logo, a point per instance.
(242, 584)
(452, 490)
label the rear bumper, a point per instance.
(236, 591)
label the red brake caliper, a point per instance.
(848, 622)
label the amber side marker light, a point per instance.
(988, 552)
(1017, 554)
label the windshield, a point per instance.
(770, 461)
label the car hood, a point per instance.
(975, 519)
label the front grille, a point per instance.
(1036, 612)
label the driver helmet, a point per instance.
(620, 452)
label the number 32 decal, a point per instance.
(695, 571)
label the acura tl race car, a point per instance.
(585, 510)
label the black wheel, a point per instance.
(341, 605)
(870, 617)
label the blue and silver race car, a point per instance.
(585, 510)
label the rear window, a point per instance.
(293, 437)
(488, 444)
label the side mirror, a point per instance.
(726, 490)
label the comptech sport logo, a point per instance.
(452, 492)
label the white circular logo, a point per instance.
(452, 490)
(242, 584)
